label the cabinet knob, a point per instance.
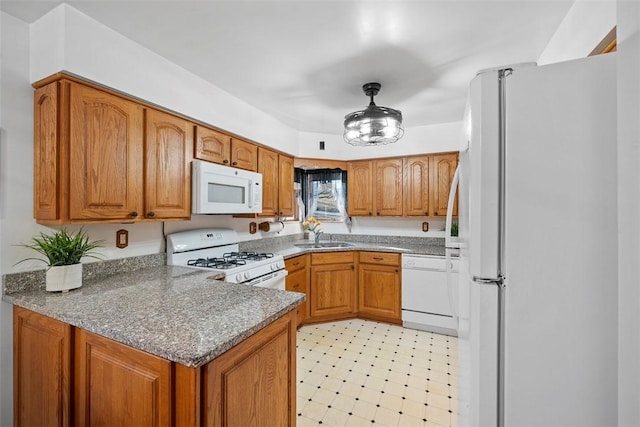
(378, 213)
(225, 161)
(134, 214)
(353, 267)
(436, 212)
(369, 213)
(377, 258)
(151, 214)
(396, 270)
(234, 164)
(296, 286)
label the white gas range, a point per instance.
(218, 250)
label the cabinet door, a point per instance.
(244, 155)
(254, 383)
(268, 167)
(333, 290)
(416, 186)
(41, 370)
(443, 167)
(168, 157)
(359, 188)
(106, 156)
(388, 187)
(212, 146)
(379, 292)
(285, 186)
(116, 385)
(297, 282)
(46, 152)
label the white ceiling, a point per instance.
(304, 62)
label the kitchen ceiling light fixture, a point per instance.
(374, 125)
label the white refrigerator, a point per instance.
(537, 220)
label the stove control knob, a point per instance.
(273, 267)
(247, 276)
(239, 277)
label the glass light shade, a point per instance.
(373, 126)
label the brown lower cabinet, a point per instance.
(253, 383)
(332, 286)
(298, 281)
(379, 288)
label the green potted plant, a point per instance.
(63, 251)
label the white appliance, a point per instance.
(220, 189)
(217, 250)
(429, 298)
(537, 212)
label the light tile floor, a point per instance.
(361, 373)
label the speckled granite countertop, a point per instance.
(290, 250)
(177, 313)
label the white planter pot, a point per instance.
(64, 277)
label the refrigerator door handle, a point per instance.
(449, 218)
(489, 281)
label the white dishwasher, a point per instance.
(430, 293)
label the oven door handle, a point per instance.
(267, 280)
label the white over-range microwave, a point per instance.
(220, 189)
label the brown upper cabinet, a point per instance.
(277, 183)
(410, 186)
(375, 187)
(387, 184)
(442, 169)
(168, 154)
(416, 185)
(218, 147)
(91, 149)
(360, 188)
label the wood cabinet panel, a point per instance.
(443, 167)
(333, 291)
(106, 155)
(359, 188)
(285, 185)
(169, 151)
(297, 281)
(41, 370)
(118, 385)
(244, 155)
(384, 258)
(212, 146)
(268, 167)
(47, 151)
(296, 263)
(379, 292)
(254, 383)
(388, 187)
(416, 186)
(332, 257)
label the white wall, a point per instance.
(416, 140)
(628, 33)
(94, 51)
(584, 26)
(16, 154)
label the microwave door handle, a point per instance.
(250, 193)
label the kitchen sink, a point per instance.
(324, 245)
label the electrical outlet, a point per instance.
(425, 226)
(122, 239)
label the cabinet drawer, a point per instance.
(332, 258)
(297, 281)
(383, 258)
(297, 263)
